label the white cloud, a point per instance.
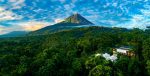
(67, 6)
(74, 1)
(17, 4)
(62, 1)
(12, 0)
(23, 26)
(8, 15)
(139, 20)
(58, 20)
(114, 4)
(107, 4)
(33, 25)
(2, 29)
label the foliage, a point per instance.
(71, 53)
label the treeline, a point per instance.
(71, 53)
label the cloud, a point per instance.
(23, 26)
(74, 1)
(2, 29)
(17, 4)
(62, 1)
(58, 20)
(32, 25)
(114, 4)
(120, 13)
(8, 15)
(138, 20)
(69, 7)
(107, 4)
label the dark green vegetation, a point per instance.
(71, 53)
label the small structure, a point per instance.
(109, 57)
(125, 50)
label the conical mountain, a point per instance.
(77, 19)
(73, 21)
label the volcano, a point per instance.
(73, 21)
(77, 19)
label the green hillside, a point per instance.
(72, 53)
(14, 34)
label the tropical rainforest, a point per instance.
(72, 53)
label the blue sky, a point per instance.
(29, 15)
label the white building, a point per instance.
(123, 50)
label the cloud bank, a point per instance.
(23, 26)
(8, 15)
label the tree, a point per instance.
(146, 49)
(100, 70)
(148, 66)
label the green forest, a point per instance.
(72, 53)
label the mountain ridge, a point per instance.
(69, 23)
(14, 34)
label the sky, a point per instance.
(30, 15)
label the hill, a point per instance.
(75, 53)
(14, 34)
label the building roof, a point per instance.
(125, 47)
(122, 50)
